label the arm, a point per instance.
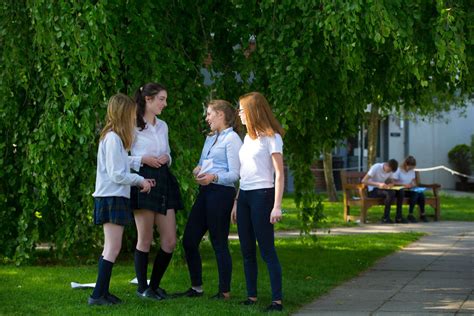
(135, 162)
(277, 160)
(168, 149)
(367, 181)
(233, 214)
(233, 163)
(115, 165)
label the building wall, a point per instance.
(430, 142)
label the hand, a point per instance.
(408, 186)
(275, 215)
(163, 159)
(233, 214)
(152, 161)
(205, 179)
(147, 184)
(196, 171)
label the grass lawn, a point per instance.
(452, 209)
(308, 272)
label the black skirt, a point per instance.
(163, 196)
(114, 209)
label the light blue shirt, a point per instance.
(223, 148)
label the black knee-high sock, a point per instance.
(162, 261)
(141, 266)
(103, 278)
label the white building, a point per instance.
(429, 141)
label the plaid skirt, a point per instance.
(163, 196)
(114, 209)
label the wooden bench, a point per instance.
(355, 194)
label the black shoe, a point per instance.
(248, 302)
(401, 220)
(149, 293)
(423, 218)
(411, 218)
(112, 298)
(98, 301)
(274, 307)
(218, 296)
(161, 292)
(190, 293)
(386, 220)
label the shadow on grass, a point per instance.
(309, 270)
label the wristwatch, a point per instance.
(216, 178)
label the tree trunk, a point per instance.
(328, 176)
(373, 131)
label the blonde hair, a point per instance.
(121, 119)
(259, 117)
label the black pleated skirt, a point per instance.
(163, 196)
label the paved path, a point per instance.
(433, 276)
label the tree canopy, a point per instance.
(318, 62)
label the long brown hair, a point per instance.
(229, 112)
(409, 161)
(150, 89)
(259, 117)
(120, 119)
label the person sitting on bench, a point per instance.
(405, 175)
(379, 180)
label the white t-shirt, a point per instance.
(256, 167)
(404, 177)
(377, 174)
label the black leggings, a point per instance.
(211, 211)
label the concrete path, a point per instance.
(433, 276)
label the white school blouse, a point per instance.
(256, 166)
(152, 140)
(404, 177)
(113, 176)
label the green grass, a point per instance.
(452, 209)
(309, 270)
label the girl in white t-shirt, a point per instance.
(406, 176)
(260, 195)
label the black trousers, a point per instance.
(211, 211)
(416, 198)
(389, 197)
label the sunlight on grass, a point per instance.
(309, 270)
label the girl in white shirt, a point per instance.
(406, 176)
(260, 195)
(112, 189)
(157, 208)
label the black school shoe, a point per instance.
(218, 296)
(248, 302)
(98, 301)
(161, 292)
(112, 298)
(386, 220)
(274, 307)
(150, 294)
(423, 218)
(411, 218)
(401, 220)
(190, 293)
